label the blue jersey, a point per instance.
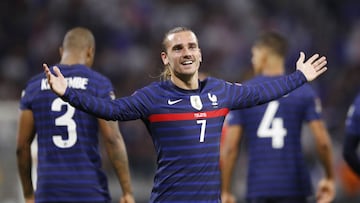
(68, 155)
(185, 126)
(273, 136)
(353, 118)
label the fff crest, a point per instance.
(196, 102)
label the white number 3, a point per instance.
(272, 127)
(64, 120)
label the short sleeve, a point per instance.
(234, 117)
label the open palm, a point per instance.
(313, 67)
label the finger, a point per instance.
(58, 72)
(47, 71)
(320, 66)
(46, 68)
(321, 71)
(312, 58)
(301, 58)
(319, 61)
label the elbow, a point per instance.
(22, 149)
(19, 150)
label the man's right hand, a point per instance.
(313, 67)
(57, 82)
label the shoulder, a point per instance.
(99, 75)
(211, 81)
(95, 77)
(34, 81)
(153, 88)
(93, 74)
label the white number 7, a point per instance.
(202, 131)
(272, 127)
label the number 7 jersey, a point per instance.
(185, 126)
(69, 164)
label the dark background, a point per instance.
(128, 35)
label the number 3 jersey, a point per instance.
(185, 126)
(68, 155)
(273, 138)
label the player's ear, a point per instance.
(90, 52)
(164, 58)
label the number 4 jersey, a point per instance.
(68, 157)
(273, 136)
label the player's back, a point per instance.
(68, 157)
(273, 136)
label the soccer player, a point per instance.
(352, 136)
(69, 162)
(277, 171)
(184, 115)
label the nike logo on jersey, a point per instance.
(171, 102)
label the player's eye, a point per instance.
(177, 47)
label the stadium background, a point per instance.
(128, 35)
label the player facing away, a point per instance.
(184, 115)
(69, 162)
(352, 136)
(277, 171)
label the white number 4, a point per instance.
(272, 127)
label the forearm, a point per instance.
(326, 157)
(282, 86)
(226, 173)
(118, 156)
(250, 95)
(101, 108)
(126, 108)
(24, 164)
(228, 160)
(324, 147)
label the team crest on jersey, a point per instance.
(213, 99)
(196, 102)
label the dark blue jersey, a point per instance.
(352, 136)
(273, 138)
(68, 155)
(185, 126)
(353, 118)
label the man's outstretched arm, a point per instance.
(311, 68)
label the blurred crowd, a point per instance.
(129, 33)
